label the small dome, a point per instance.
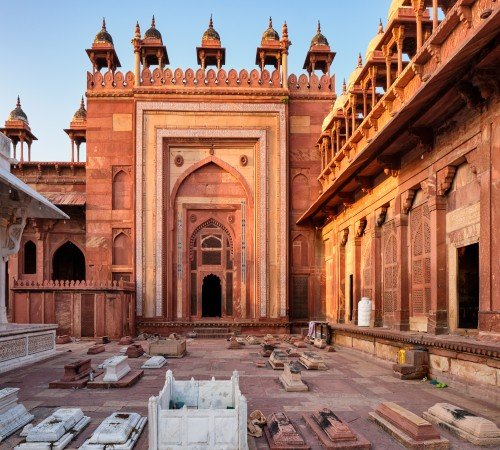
(270, 34)
(355, 73)
(210, 34)
(393, 9)
(103, 37)
(319, 39)
(17, 113)
(152, 33)
(81, 113)
(375, 40)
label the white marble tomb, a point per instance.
(116, 369)
(13, 415)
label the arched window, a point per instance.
(122, 255)
(122, 194)
(29, 258)
(68, 263)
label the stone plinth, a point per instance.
(409, 429)
(63, 339)
(126, 340)
(282, 435)
(291, 378)
(56, 431)
(22, 344)
(76, 375)
(120, 430)
(413, 364)
(173, 348)
(128, 380)
(13, 415)
(464, 424)
(233, 344)
(333, 432)
(116, 369)
(134, 351)
(95, 349)
(312, 361)
(155, 362)
(278, 359)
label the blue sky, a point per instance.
(44, 42)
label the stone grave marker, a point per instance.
(95, 349)
(120, 430)
(282, 435)
(312, 361)
(233, 344)
(63, 339)
(406, 427)
(118, 374)
(278, 359)
(134, 351)
(76, 375)
(333, 432)
(267, 349)
(56, 431)
(464, 424)
(413, 364)
(171, 347)
(126, 340)
(291, 378)
(13, 415)
(155, 362)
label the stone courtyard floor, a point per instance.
(353, 385)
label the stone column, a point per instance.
(376, 273)
(435, 21)
(3, 299)
(438, 314)
(402, 309)
(357, 278)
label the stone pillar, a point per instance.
(402, 310)
(29, 151)
(357, 278)
(3, 298)
(72, 150)
(376, 273)
(284, 69)
(435, 21)
(341, 285)
(438, 313)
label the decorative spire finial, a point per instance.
(211, 22)
(104, 24)
(360, 60)
(137, 30)
(153, 23)
(344, 87)
(82, 104)
(18, 104)
(380, 27)
(284, 30)
(319, 27)
(270, 22)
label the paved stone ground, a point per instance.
(353, 385)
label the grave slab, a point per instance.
(278, 359)
(116, 369)
(155, 362)
(312, 361)
(410, 430)
(63, 339)
(291, 378)
(234, 344)
(267, 349)
(13, 415)
(333, 432)
(173, 348)
(126, 340)
(134, 351)
(56, 431)
(464, 424)
(76, 375)
(119, 431)
(128, 380)
(95, 349)
(319, 343)
(282, 435)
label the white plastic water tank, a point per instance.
(364, 312)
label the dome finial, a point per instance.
(319, 27)
(137, 30)
(344, 87)
(18, 104)
(82, 103)
(270, 22)
(360, 60)
(380, 27)
(211, 22)
(104, 23)
(153, 23)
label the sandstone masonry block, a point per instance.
(440, 363)
(473, 372)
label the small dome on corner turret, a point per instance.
(210, 34)
(103, 37)
(152, 33)
(270, 34)
(319, 38)
(17, 113)
(81, 113)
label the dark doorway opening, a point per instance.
(351, 296)
(68, 263)
(468, 286)
(29, 258)
(211, 297)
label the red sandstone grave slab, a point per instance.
(134, 351)
(410, 430)
(282, 435)
(63, 339)
(128, 380)
(76, 375)
(126, 340)
(95, 349)
(333, 432)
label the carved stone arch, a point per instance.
(204, 225)
(204, 162)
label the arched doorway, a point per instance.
(211, 296)
(68, 263)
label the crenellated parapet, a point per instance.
(200, 81)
